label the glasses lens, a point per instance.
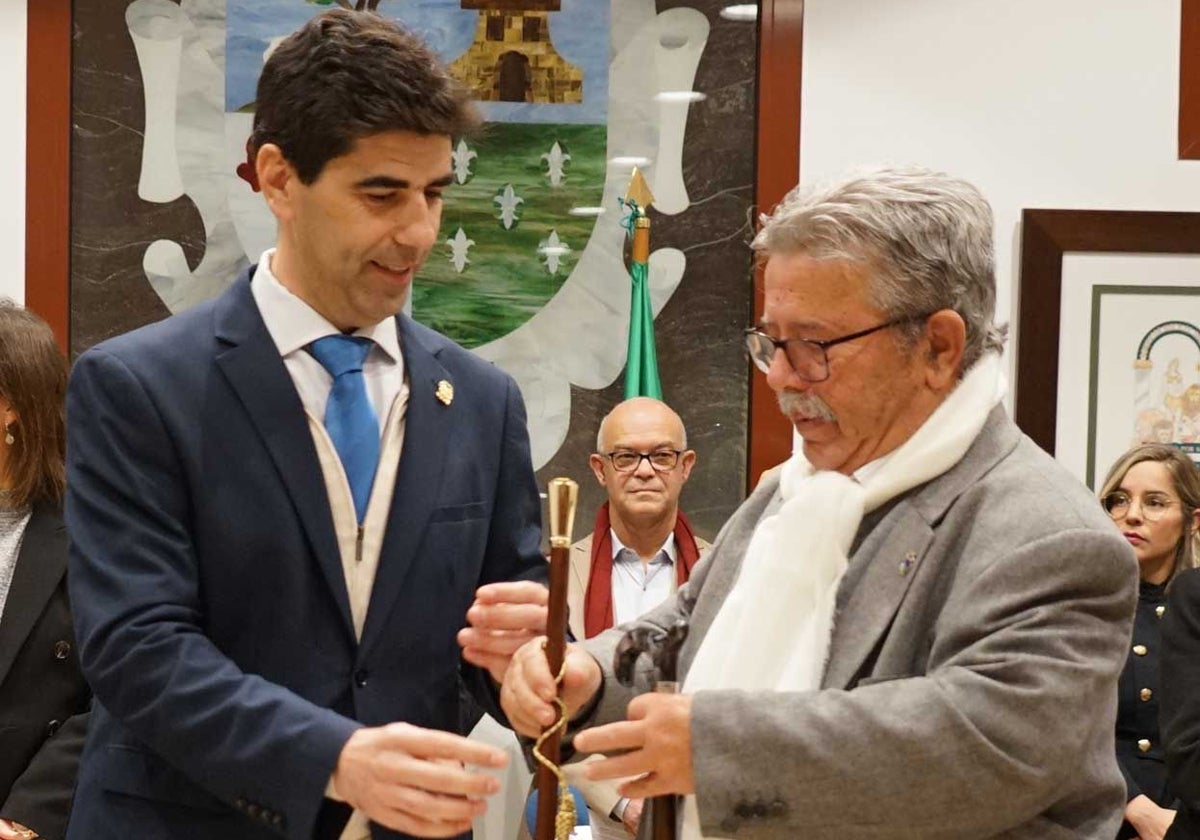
(625, 460)
(808, 360)
(1117, 505)
(761, 350)
(664, 459)
(1153, 507)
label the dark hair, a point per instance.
(346, 75)
(33, 380)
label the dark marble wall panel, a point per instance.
(703, 367)
(110, 226)
(699, 331)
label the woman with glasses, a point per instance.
(43, 697)
(1151, 493)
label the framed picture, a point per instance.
(1108, 343)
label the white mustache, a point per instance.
(808, 406)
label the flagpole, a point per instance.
(641, 363)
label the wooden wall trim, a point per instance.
(1189, 80)
(48, 163)
(780, 46)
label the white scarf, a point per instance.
(786, 590)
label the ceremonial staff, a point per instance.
(555, 805)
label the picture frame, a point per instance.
(1048, 236)
(1143, 366)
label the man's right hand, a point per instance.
(503, 617)
(529, 689)
(414, 780)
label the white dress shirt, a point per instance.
(637, 586)
(293, 325)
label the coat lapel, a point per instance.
(890, 556)
(256, 372)
(894, 548)
(427, 423)
(41, 563)
(581, 570)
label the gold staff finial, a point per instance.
(564, 494)
(639, 191)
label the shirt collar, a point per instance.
(668, 547)
(293, 324)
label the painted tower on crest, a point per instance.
(513, 58)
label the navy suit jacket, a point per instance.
(211, 607)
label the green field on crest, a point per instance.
(507, 280)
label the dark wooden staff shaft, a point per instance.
(556, 634)
(662, 808)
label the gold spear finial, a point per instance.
(639, 191)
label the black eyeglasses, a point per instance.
(1153, 508)
(626, 460)
(808, 357)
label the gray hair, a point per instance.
(926, 235)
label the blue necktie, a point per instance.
(349, 417)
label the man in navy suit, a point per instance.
(282, 501)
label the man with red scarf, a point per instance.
(641, 550)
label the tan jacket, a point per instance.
(600, 796)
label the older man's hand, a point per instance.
(503, 617)
(529, 689)
(657, 745)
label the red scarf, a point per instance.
(598, 605)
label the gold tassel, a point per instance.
(564, 821)
(565, 817)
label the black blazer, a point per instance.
(1140, 753)
(44, 700)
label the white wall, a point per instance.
(1063, 104)
(12, 149)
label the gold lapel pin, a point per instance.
(907, 563)
(445, 392)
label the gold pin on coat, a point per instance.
(445, 392)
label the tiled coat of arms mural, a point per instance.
(530, 269)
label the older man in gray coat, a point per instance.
(912, 630)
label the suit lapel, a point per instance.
(427, 423)
(256, 373)
(41, 564)
(581, 569)
(891, 554)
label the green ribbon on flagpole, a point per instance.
(641, 365)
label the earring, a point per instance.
(8, 435)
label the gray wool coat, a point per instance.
(970, 690)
